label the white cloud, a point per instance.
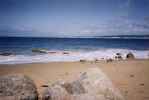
(119, 26)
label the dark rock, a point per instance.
(102, 58)
(131, 75)
(40, 50)
(52, 52)
(126, 92)
(118, 57)
(82, 60)
(17, 87)
(109, 60)
(44, 85)
(65, 52)
(6, 54)
(130, 56)
(118, 54)
(96, 60)
(141, 84)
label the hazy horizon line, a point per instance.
(144, 36)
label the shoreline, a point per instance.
(70, 56)
(79, 61)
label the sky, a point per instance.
(54, 18)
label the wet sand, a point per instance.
(130, 77)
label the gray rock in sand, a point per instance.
(17, 87)
(90, 85)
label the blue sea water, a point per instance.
(22, 46)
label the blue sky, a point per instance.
(73, 17)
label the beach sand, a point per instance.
(130, 77)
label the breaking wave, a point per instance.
(72, 56)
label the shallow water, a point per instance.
(78, 48)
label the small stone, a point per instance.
(82, 60)
(109, 60)
(126, 92)
(141, 84)
(44, 85)
(131, 75)
(118, 54)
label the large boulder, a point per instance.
(90, 85)
(17, 87)
(130, 56)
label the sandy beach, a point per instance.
(130, 77)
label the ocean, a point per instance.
(79, 48)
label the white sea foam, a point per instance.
(116, 37)
(72, 56)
